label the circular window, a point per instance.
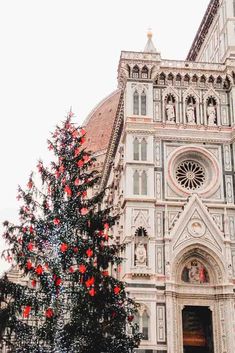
(192, 169)
(190, 175)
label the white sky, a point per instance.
(61, 53)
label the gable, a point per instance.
(196, 225)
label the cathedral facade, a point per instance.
(165, 143)
(169, 160)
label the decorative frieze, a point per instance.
(229, 188)
(227, 158)
(161, 324)
(158, 185)
(159, 224)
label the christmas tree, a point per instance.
(64, 251)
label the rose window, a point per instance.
(190, 175)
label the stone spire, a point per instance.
(150, 48)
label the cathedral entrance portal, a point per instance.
(197, 330)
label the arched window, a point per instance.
(162, 79)
(142, 320)
(144, 183)
(143, 103)
(203, 81)
(145, 325)
(136, 149)
(136, 103)
(136, 186)
(144, 72)
(186, 80)
(194, 80)
(178, 80)
(135, 72)
(143, 150)
(170, 79)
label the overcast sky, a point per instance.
(61, 53)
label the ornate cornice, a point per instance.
(207, 20)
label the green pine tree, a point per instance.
(63, 248)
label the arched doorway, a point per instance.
(194, 309)
(197, 329)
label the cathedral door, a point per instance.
(197, 330)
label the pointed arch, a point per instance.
(144, 190)
(186, 80)
(143, 103)
(136, 155)
(144, 72)
(136, 103)
(143, 150)
(136, 185)
(135, 71)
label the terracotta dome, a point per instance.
(99, 123)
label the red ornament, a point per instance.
(92, 292)
(82, 132)
(68, 125)
(106, 226)
(75, 134)
(76, 183)
(30, 246)
(82, 140)
(80, 163)
(82, 269)
(33, 283)
(86, 158)
(105, 273)
(75, 249)
(30, 184)
(68, 190)
(9, 258)
(63, 247)
(56, 221)
(49, 313)
(90, 281)
(39, 270)
(89, 252)
(84, 194)
(29, 265)
(71, 269)
(116, 289)
(84, 211)
(58, 281)
(61, 169)
(39, 166)
(26, 311)
(31, 230)
(76, 152)
(130, 318)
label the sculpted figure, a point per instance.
(211, 113)
(170, 111)
(141, 254)
(190, 113)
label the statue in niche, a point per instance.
(140, 254)
(170, 110)
(195, 273)
(211, 113)
(190, 112)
